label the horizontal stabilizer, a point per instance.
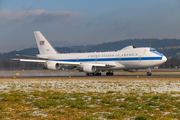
(30, 60)
(35, 57)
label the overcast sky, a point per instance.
(85, 22)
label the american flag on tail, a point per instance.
(41, 42)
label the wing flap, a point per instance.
(103, 65)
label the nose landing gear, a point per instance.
(149, 72)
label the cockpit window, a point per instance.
(152, 49)
(156, 52)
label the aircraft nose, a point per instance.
(164, 59)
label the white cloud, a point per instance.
(37, 16)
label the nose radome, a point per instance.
(164, 59)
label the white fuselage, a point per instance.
(127, 58)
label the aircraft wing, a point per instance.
(103, 65)
(44, 61)
(67, 63)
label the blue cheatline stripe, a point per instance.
(152, 58)
(129, 59)
(111, 59)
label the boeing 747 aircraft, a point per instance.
(128, 59)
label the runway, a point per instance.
(67, 74)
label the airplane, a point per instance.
(128, 59)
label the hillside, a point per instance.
(32, 52)
(110, 46)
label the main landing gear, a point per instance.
(93, 74)
(149, 72)
(110, 73)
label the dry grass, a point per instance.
(86, 98)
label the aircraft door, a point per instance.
(139, 58)
(77, 60)
(96, 59)
(119, 59)
(144, 51)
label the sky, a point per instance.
(85, 22)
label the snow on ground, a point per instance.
(87, 85)
(90, 85)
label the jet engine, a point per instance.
(52, 66)
(131, 70)
(89, 69)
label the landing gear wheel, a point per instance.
(109, 74)
(93, 74)
(149, 73)
(98, 74)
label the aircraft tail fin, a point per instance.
(43, 45)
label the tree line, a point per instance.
(6, 64)
(109, 46)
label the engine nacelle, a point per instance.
(131, 70)
(52, 66)
(89, 69)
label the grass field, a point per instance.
(89, 99)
